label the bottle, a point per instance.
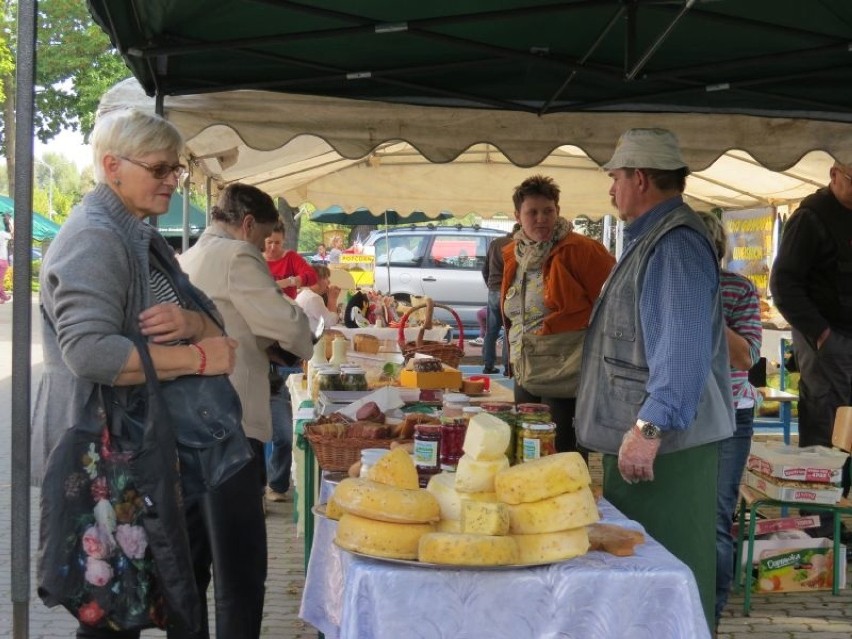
(338, 351)
(318, 359)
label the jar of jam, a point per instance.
(536, 440)
(427, 451)
(506, 412)
(453, 430)
(454, 404)
(534, 413)
(353, 378)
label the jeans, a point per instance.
(494, 324)
(280, 461)
(733, 453)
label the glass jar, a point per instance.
(536, 440)
(369, 456)
(314, 383)
(534, 413)
(353, 378)
(469, 411)
(328, 379)
(506, 412)
(453, 430)
(427, 451)
(454, 404)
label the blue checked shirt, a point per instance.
(680, 287)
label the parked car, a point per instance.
(441, 262)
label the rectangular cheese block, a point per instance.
(449, 378)
(487, 437)
(484, 518)
(811, 464)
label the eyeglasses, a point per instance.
(161, 170)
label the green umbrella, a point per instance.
(43, 228)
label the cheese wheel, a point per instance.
(380, 538)
(365, 498)
(449, 499)
(395, 468)
(542, 478)
(448, 526)
(467, 550)
(332, 509)
(477, 476)
(484, 518)
(486, 437)
(563, 512)
(554, 546)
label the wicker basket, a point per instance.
(449, 354)
(339, 453)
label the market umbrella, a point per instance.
(363, 216)
(43, 228)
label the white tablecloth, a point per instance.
(651, 595)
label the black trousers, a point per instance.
(227, 532)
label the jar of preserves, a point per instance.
(314, 383)
(427, 451)
(328, 379)
(534, 413)
(353, 378)
(453, 430)
(536, 440)
(454, 404)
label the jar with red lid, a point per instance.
(453, 430)
(534, 413)
(427, 451)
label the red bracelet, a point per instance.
(202, 358)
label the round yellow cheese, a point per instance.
(443, 486)
(467, 549)
(563, 512)
(477, 476)
(332, 509)
(395, 468)
(366, 498)
(542, 478)
(448, 526)
(555, 546)
(380, 538)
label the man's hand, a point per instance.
(636, 456)
(165, 323)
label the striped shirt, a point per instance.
(741, 308)
(162, 288)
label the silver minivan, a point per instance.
(441, 262)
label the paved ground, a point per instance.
(782, 616)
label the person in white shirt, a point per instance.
(310, 298)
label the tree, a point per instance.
(75, 65)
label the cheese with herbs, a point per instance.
(380, 538)
(367, 498)
(467, 549)
(554, 546)
(563, 512)
(484, 518)
(542, 478)
(443, 486)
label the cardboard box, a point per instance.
(788, 491)
(812, 463)
(767, 526)
(449, 378)
(799, 569)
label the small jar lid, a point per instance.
(540, 426)
(456, 398)
(533, 408)
(330, 370)
(352, 370)
(472, 410)
(372, 455)
(498, 407)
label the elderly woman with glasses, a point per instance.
(100, 283)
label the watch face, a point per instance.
(649, 430)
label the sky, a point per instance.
(70, 144)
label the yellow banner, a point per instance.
(750, 244)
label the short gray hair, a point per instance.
(131, 133)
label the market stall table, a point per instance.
(597, 596)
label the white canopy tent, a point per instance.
(376, 155)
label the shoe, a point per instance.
(490, 370)
(476, 342)
(275, 496)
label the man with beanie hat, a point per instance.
(655, 391)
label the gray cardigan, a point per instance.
(94, 283)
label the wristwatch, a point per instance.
(648, 430)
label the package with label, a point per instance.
(797, 569)
(817, 464)
(815, 493)
(767, 526)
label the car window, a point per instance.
(459, 251)
(406, 250)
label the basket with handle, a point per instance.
(339, 453)
(449, 354)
